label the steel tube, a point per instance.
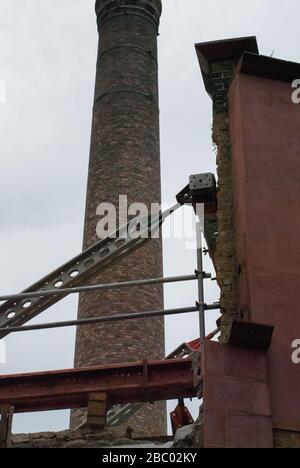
(97, 287)
(200, 283)
(108, 318)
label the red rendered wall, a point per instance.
(265, 137)
(236, 396)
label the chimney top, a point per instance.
(149, 9)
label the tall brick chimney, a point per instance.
(125, 160)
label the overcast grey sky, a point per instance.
(47, 60)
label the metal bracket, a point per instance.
(97, 410)
(180, 417)
(201, 189)
(202, 274)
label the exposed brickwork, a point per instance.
(221, 75)
(218, 61)
(286, 439)
(225, 254)
(124, 159)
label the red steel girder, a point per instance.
(124, 383)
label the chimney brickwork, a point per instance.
(125, 160)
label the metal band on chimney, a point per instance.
(148, 10)
(148, 96)
(147, 52)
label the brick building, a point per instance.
(251, 392)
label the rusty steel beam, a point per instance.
(123, 383)
(6, 417)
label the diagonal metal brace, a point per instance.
(78, 270)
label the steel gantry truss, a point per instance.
(127, 384)
(72, 276)
(24, 307)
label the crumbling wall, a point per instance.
(82, 439)
(225, 254)
(286, 439)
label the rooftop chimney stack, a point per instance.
(125, 160)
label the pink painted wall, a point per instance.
(265, 135)
(236, 396)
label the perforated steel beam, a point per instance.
(77, 271)
(123, 383)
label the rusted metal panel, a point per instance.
(123, 383)
(180, 417)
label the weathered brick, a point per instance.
(225, 255)
(286, 439)
(125, 159)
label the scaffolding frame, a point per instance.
(70, 278)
